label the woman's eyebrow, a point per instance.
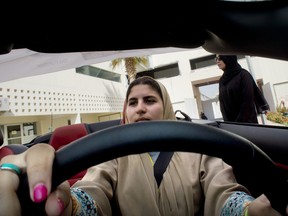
(150, 96)
(132, 98)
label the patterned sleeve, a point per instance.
(236, 204)
(82, 203)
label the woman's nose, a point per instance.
(141, 107)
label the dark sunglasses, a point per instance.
(218, 59)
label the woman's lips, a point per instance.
(142, 119)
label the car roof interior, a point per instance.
(258, 28)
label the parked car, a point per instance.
(254, 28)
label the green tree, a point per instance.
(131, 64)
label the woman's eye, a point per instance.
(150, 101)
(132, 103)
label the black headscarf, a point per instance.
(232, 68)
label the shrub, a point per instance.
(277, 117)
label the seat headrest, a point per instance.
(64, 135)
(12, 149)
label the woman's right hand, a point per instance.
(37, 162)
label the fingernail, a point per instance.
(40, 193)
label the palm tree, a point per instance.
(130, 65)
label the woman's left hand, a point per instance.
(261, 206)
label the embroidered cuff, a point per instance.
(82, 203)
(236, 204)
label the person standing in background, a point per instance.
(203, 116)
(240, 98)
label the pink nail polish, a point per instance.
(40, 193)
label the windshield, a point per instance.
(40, 92)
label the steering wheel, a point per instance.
(251, 166)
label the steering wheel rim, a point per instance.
(143, 137)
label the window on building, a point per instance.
(98, 72)
(206, 61)
(19, 133)
(167, 71)
(14, 134)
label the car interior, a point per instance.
(257, 28)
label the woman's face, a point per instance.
(144, 104)
(220, 62)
